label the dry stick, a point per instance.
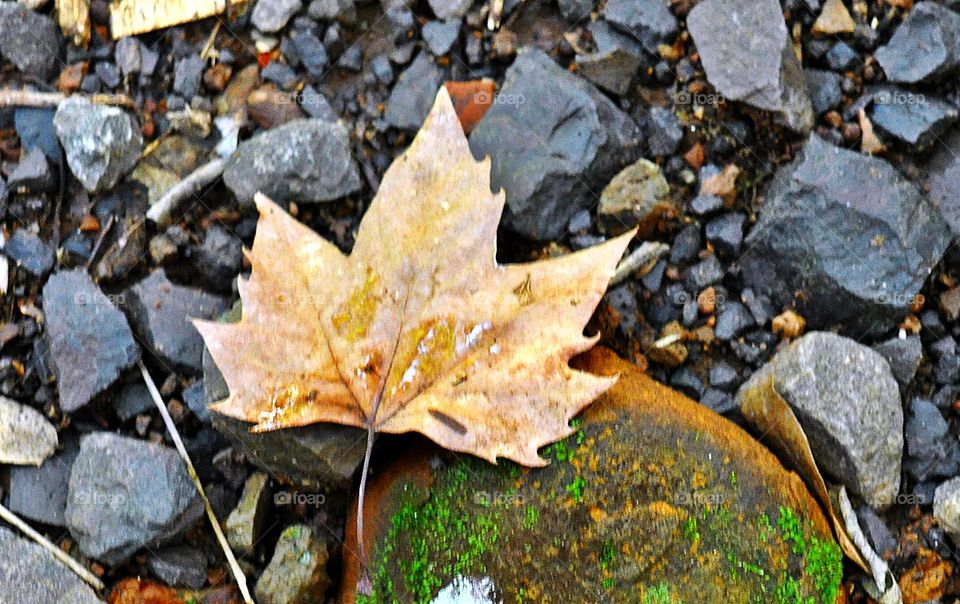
(172, 428)
(32, 98)
(162, 209)
(637, 258)
(58, 553)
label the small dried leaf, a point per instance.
(419, 329)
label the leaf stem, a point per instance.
(364, 585)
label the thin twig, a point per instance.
(164, 207)
(101, 237)
(238, 575)
(647, 251)
(58, 553)
(32, 98)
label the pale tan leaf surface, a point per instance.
(419, 329)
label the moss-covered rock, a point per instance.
(654, 499)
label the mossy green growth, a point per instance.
(658, 594)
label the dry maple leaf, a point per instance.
(418, 329)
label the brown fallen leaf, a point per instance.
(419, 329)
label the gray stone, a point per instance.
(883, 541)
(575, 10)
(316, 104)
(616, 62)
(219, 258)
(247, 521)
(29, 40)
(280, 74)
(193, 396)
(553, 139)
(271, 16)
(30, 575)
(663, 132)
(723, 375)
(132, 400)
(35, 129)
(649, 21)
(932, 451)
(686, 244)
(313, 457)
(381, 69)
(946, 506)
(413, 94)
(848, 404)
(108, 73)
(924, 47)
(102, 143)
(187, 74)
(127, 55)
(298, 570)
(733, 319)
(31, 252)
(706, 272)
(329, 10)
(915, 119)
(943, 180)
(841, 57)
(90, 342)
(440, 36)
(445, 9)
(718, 400)
(302, 161)
(26, 437)
(725, 233)
(39, 494)
(701, 205)
(903, 355)
(311, 52)
(824, 89)
(125, 494)
(747, 56)
(850, 233)
(33, 173)
(160, 313)
(179, 566)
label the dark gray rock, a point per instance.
(686, 244)
(932, 452)
(280, 74)
(718, 400)
(90, 341)
(39, 494)
(553, 139)
(329, 10)
(841, 57)
(160, 313)
(194, 397)
(125, 494)
(35, 129)
(127, 55)
(30, 575)
(943, 181)
(313, 457)
(311, 52)
(686, 381)
(575, 10)
(305, 161)
(31, 252)
(704, 273)
(29, 40)
(445, 9)
(702, 205)
(849, 232)
(179, 566)
(722, 375)
(662, 131)
(848, 404)
(33, 173)
(412, 96)
(882, 540)
(187, 75)
(440, 36)
(649, 21)
(381, 69)
(733, 319)
(272, 15)
(915, 119)
(725, 233)
(924, 47)
(615, 63)
(316, 104)
(824, 89)
(102, 143)
(108, 73)
(219, 258)
(903, 355)
(132, 400)
(746, 53)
